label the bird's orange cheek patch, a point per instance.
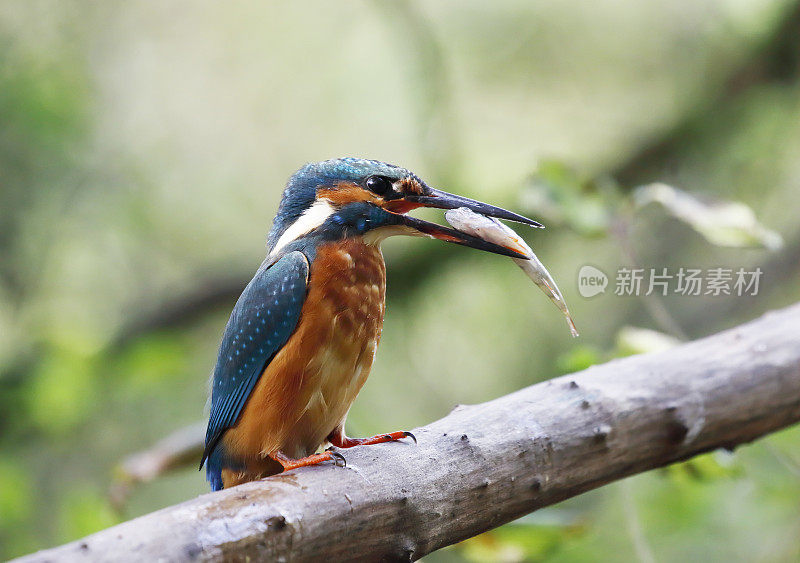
(401, 206)
(345, 192)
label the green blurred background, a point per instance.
(143, 149)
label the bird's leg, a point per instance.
(289, 463)
(338, 438)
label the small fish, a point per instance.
(492, 230)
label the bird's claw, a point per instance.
(405, 434)
(336, 457)
(345, 442)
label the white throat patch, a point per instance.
(311, 218)
(377, 236)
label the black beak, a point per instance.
(444, 200)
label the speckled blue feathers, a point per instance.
(264, 317)
(301, 189)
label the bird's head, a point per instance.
(349, 197)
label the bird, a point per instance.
(302, 337)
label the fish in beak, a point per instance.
(442, 200)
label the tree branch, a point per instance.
(181, 448)
(487, 464)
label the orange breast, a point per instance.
(307, 389)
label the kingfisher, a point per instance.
(302, 336)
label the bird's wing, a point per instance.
(264, 317)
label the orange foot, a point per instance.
(338, 439)
(289, 463)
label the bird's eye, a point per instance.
(378, 185)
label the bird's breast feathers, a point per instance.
(308, 387)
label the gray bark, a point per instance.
(487, 464)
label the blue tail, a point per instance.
(214, 468)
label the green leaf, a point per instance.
(517, 542)
(707, 467)
(579, 358)
(632, 340)
(560, 195)
(723, 223)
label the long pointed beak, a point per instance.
(443, 200)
